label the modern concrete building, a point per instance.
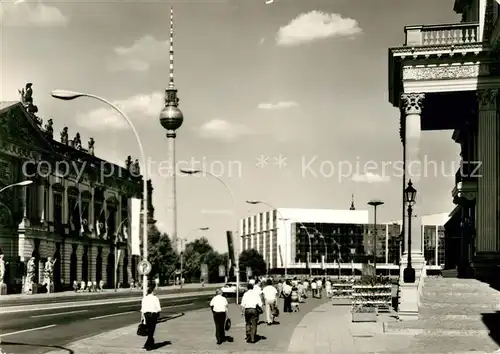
(329, 236)
(74, 212)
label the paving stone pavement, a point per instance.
(319, 328)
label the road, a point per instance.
(21, 300)
(40, 331)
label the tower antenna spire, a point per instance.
(352, 203)
(171, 84)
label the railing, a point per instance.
(452, 34)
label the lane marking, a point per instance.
(62, 305)
(27, 330)
(59, 313)
(112, 315)
(168, 306)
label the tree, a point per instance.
(194, 256)
(253, 259)
(162, 256)
(213, 259)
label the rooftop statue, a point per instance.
(77, 142)
(128, 163)
(91, 146)
(49, 129)
(64, 136)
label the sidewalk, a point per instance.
(319, 328)
(11, 297)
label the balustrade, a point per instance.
(435, 35)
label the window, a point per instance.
(111, 222)
(58, 210)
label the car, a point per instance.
(229, 289)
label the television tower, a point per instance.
(171, 119)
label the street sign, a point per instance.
(144, 267)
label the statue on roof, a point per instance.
(64, 136)
(77, 142)
(128, 163)
(49, 129)
(27, 94)
(136, 168)
(91, 146)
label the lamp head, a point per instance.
(66, 95)
(189, 172)
(375, 202)
(24, 183)
(410, 193)
(253, 202)
(204, 228)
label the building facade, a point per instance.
(323, 238)
(76, 211)
(448, 77)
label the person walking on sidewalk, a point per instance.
(150, 309)
(271, 301)
(219, 309)
(251, 304)
(287, 300)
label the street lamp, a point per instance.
(233, 199)
(71, 95)
(321, 236)
(409, 195)
(183, 240)
(18, 184)
(309, 236)
(375, 204)
(255, 202)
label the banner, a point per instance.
(204, 271)
(323, 262)
(230, 246)
(117, 260)
(222, 271)
(135, 226)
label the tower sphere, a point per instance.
(171, 118)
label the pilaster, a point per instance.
(488, 183)
(49, 216)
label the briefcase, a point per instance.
(227, 324)
(142, 330)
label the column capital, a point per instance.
(412, 103)
(487, 99)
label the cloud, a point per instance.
(222, 130)
(316, 25)
(21, 13)
(140, 55)
(370, 178)
(138, 106)
(277, 105)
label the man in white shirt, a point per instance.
(320, 288)
(271, 301)
(314, 288)
(251, 304)
(219, 310)
(150, 309)
(328, 287)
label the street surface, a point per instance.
(19, 300)
(39, 330)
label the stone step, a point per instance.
(439, 326)
(460, 298)
(440, 309)
(455, 284)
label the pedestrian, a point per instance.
(314, 288)
(219, 310)
(252, 308)
(271, 301)
(328, 287)
(320, 288)
(150, 310)
(287, 292)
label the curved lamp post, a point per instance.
(321, 236)
(375, 204)
(309, 236)
(233, 200)
(183, 244)
(255, 202)
(409, 195)
(71, 95)
(18, 184)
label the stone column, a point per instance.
(412, 105)
(41, 202)
(49, 216)
(409, 298)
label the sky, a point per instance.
(286, 102)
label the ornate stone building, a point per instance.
(76, 211)
(448, 77)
